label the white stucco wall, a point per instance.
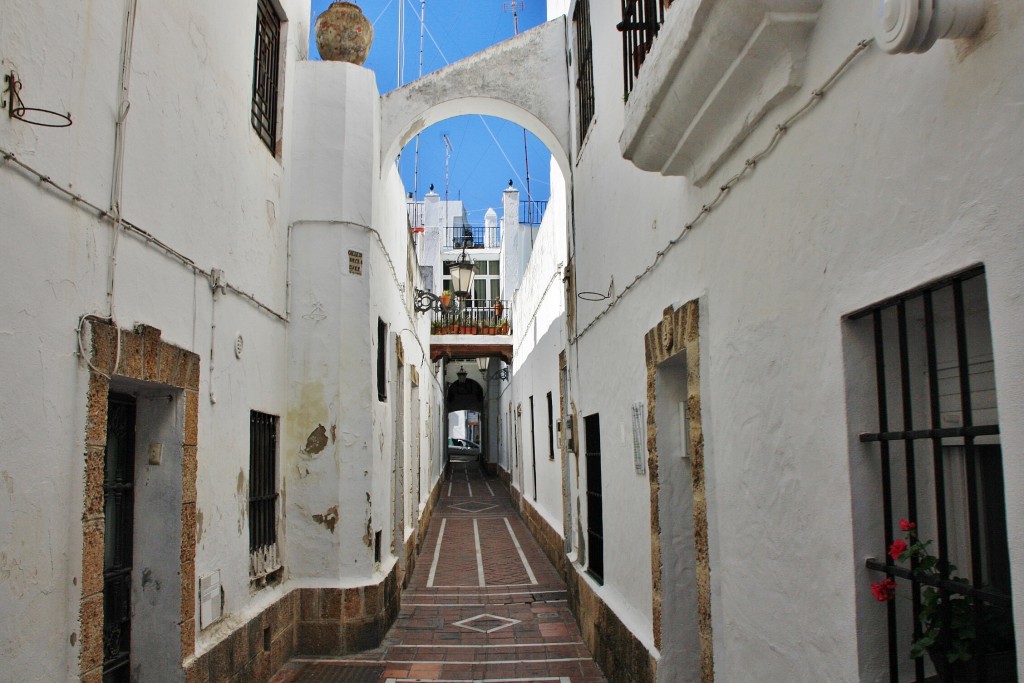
(197, 177)
(538, 336)
(908, 170)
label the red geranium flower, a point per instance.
(907, 525)
(884, 590)
(897, 548)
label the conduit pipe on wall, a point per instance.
(216, 285)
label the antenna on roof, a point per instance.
(416, 155)
(515, 6)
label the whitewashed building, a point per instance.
(779, 264)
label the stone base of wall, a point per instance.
(621, 656)
(307, 621)
(254, 652)
(614, 647)
(428, 514)
(341, 621)
(550, 541)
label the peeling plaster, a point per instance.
(243, 500)
(368, 537)
(316, 442)
(199, 527)
(329, 519)
(8, 482)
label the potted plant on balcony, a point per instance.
(503, 326)
(499, 308)
(446, 298)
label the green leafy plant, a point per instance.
(955, 644)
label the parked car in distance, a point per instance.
(463, 447)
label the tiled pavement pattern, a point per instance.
(483, 604)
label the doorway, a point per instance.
(118, 544)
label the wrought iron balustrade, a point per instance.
(531, 211)
(471, 237)
(641, 20)
(477, 317)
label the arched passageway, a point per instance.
(524, 79)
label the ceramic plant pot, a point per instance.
(343, 33)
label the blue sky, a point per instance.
(480, 165)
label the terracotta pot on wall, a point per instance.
(343, 33)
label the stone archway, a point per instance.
(524, 79)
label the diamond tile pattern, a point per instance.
(514, 627)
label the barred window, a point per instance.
(263, 555)
(641, 21)
(584, 69)
(382, 360)
(929, 364)
(265, 72)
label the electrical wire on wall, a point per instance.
(749, 166)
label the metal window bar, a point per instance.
(909, 436)
(595, 500)
(584, 71)
(382, 360)
(265, 72)
(641, 20)
(262, 481)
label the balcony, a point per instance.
(479, 329)
(488, 319)
(700, 75)
(469, 237)
(531, 211)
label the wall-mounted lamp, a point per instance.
(461, 374)
(462, 271)
(483, 363)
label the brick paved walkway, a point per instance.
(483, 604)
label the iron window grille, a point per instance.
(641, 21)
(382, 360)
(940, 459)
(584, 69)
(265, 72)
(595, 499)
(262, 494)
(551, 428)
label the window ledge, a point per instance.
(715, 70)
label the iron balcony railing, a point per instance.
(469, 237)
(641, 20)
(488, 318)
(531, 211)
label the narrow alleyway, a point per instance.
(483, 604)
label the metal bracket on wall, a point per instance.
(16, 108)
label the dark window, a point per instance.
(382, 360)
(533, 448)
(940, 467)
(551, 429)
(595, 501)
(265, 72)
(118, 539)
(641, 20)
(584, 69)
(263, 490)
